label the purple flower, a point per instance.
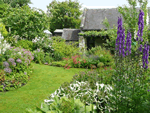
(120, 38)
(11, 60)
(141, 25)
(19, 60)
(13, 63)
(7, 70)
(25, 73)
(140, 48)
(38, 50)
(145, 55)
(5, 64)
(148, 90)
(46, 63)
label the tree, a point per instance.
(3, 8)
(64, 15)
(25, 22)
(13, 3)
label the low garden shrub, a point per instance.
(43, 43)
(66, 49)
(104, 55)
(63, 105)
(78, 90)
(26, 44)
(17, 67)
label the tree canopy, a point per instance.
(13, 3)
(26, 22)
(64, 15)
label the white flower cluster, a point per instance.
(3, 45)
(37, 39)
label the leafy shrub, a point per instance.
(43, 43)
(17, 67)
(64, 105)
(58, 56)
(105, 55)
(26, 44)
(27, 23)
(39, 56)
(48, 58)
(58, 63)
(75, 61)
(58, 38)
(3, 30)
(78, 90)
(65, 49)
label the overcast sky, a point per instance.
(42, 4)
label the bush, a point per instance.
(24, 44)
(58, 38)
(63, 105)
(59, 64)
(78, 90)
(57, 56)
(43, 43)
(17, 67)
(65, 49)
(3, 30)
(39, 56)
(104, 55)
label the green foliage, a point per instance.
(104, 55)
(59, 38)
(58, 63)
(25, 22)
(58, 56)
(39, 56)
(64, 15)
(19, 62)
(44, 43)
(48, 58)
(64, 105)
(26, 44)
(66, 49)
(3, 30)
(3, 8)
(78, 90)
(100, 64)
(14, 3)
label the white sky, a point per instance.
(42, 4)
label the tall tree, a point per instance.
(13, 3)
(64, 15)
(26, 22)
(3, 8)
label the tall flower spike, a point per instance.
(141, 26)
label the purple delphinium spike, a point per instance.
(140, 48)
(145, 55)
(120, 37)
(141, 25)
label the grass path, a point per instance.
(44, 81)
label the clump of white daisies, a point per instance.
(3, 45)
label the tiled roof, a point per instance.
(92, 18)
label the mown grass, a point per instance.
(43, 81)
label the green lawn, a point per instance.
(44, 81)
